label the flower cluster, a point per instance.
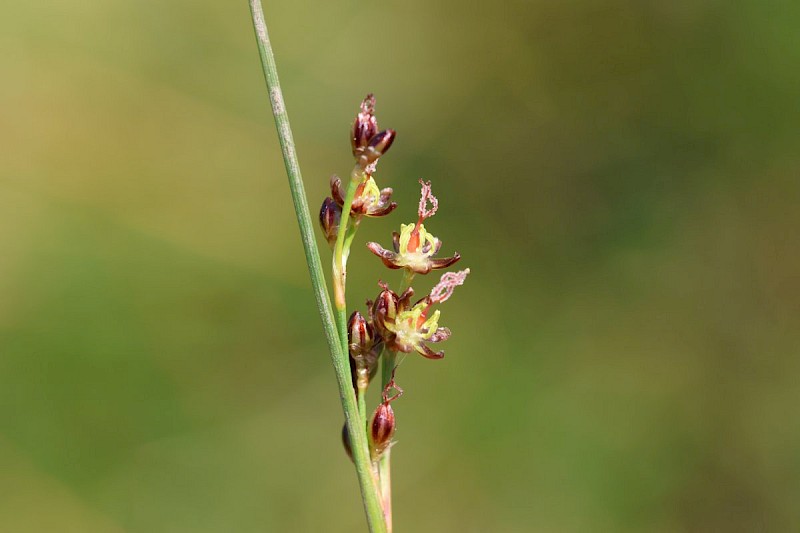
(393, 324)
(369, 145)
(405, 327)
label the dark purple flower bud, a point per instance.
(381, 429)
(359, 333)
(365, 126)
(346, 442)
(378, 145)
(329, 216)
(365, 348)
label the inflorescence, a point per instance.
(392, 323)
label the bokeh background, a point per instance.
(621, 176)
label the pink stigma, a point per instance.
(444, 289)
(425, 197)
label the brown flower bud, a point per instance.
(365, 126)
(381, 429)
(364, 349)
(359, 334)
(329, 216)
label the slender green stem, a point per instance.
(348, 239)
(408, 277)
(362, 405)
(338, 350)
(385, 463)
(385, 466)
(387, 366)
(340, 254)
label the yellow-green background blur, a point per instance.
(622, 177)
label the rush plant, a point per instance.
(391, 325)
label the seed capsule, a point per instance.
(382, 429)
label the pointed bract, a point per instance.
(378, 145)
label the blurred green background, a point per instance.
(621, 176)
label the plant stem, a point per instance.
(348, 239)
(339, 267)
(385, 462)
(362, 405)
(408, 277)
(338, 349)
(339, 252)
